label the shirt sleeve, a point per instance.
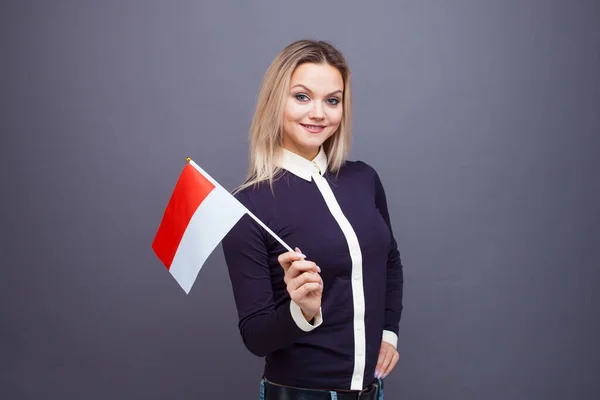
(264, 327)
(395, 276)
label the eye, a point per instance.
(333, 101)
(301, 97)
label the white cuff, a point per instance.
(301, 321)
(391, 338)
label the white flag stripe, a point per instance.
(213, 219)
(265, 227)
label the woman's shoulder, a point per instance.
(358, 168)
(257, 193)
(243, 193)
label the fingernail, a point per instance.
(299, 252)
(318, 268)
(377, 374)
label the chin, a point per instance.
(309, 143)
(312, 144)
(314, 140)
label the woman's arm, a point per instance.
(263, 326)
(395, 277)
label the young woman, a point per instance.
(325, 316)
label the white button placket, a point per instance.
(356, 281)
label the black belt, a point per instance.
(279, 392)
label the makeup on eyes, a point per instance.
(302, 97)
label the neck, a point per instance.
(309, 154)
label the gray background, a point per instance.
(481, 117)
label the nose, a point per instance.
(317, 111)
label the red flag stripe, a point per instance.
(191, 189)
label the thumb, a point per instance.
(297, 250)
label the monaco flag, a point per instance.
(198, 216)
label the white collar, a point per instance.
(302, 167)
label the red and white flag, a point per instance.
(198, 216)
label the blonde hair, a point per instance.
(266, 128)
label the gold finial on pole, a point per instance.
(188, 159)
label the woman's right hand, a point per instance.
(304, 284)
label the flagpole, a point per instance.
(265, 227)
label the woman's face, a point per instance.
(313, 109)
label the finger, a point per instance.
(309, 287)
(380, 359)
(298, 268)
(385, 357)
(301, 266)
(395, 359)
(286, 259)
(300, 293)
(387, 361)
(299, 252)
(305, 277)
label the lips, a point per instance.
(313, 128)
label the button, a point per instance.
(356, 276)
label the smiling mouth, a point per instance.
(313, 128)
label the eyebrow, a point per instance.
(310, 91)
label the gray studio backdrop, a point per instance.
(481, 117)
